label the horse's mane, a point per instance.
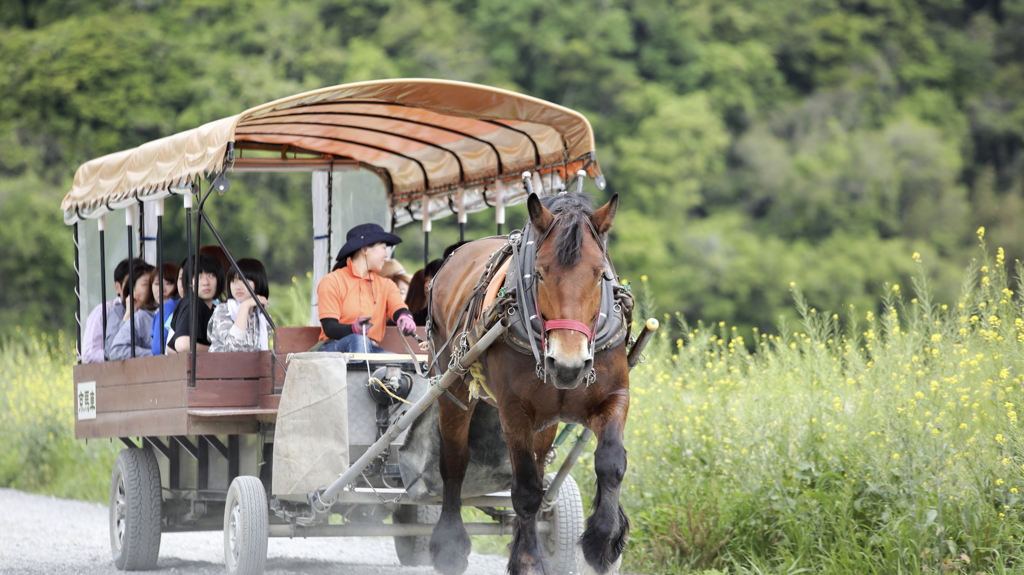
(573, 211)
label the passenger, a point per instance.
(394, 271)
(92, 340)
(238, 324)
(419, 291)
(172, 294)
(211, 281)
(121, 346)
(217, 253)
(354, 302)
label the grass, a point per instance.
(864, 441)
(37, 426)
(876, 444)
(289, 304)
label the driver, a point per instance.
(354, 302)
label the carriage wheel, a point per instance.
(415, 551)
(566, 518)
(135, 510)
(245, 527)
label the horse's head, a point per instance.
(570, 266)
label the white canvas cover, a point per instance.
(311, 439)
(426, 137)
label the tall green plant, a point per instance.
(37, 403)
(879, 444)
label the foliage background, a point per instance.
(754, 142)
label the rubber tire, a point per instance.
(135, 506)
(415, 551)
(246, 519)
(559, 546)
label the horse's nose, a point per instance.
(567, 376)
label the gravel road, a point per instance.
(53, 536)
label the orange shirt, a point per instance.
(346, 297)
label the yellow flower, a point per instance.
(896, 287)
(643, 278)
(981, 233)
(917, 257)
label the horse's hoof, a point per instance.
(451, 568)
(583, 567)
(451, 559)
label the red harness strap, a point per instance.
(551, 324)
(568, 324)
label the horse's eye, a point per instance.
(538, 275)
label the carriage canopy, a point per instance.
(424, 137)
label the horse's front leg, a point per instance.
(608, 527)
(525, 555)
(449, 543)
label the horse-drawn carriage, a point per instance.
(526, 330)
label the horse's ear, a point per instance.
(539, 215)
(604, 217)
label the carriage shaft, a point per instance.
(650, 327)
(570, 460)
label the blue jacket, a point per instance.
(169, 307)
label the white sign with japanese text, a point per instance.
(86, 400)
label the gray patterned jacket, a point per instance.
(224, 336)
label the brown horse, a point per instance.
(570, 266)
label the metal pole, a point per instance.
(129, 216)
(427, 226)
(499, 204)
(78, 300)
(538, 184)
(461, 203)
(102, 222)
(330, 214)
(436, 389)
(191, 263)
(234, 266)
(194, 326)
(252, 293)
(393, 530)
(160, 268)
(142, 230)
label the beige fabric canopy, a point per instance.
(426, 136)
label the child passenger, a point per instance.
(172, 294)
(211, 281)
(122, 344)
(238, 324)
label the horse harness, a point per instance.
(517, 300)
